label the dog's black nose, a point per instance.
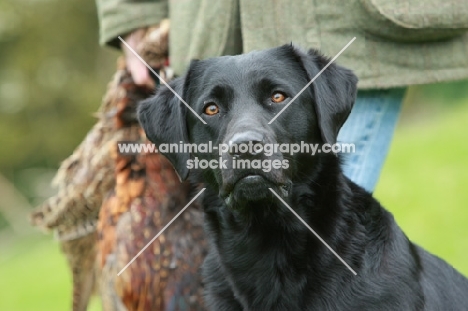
(246, 144)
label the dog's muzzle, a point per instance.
(243, 181)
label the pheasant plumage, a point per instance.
(110, 205)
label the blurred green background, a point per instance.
(52, 77)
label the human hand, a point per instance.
(137, 68)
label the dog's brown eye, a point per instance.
(278, 97)
(211, 109)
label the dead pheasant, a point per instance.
(110, 205)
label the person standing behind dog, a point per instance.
(397, 44)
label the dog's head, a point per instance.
(237, 97)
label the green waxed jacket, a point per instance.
(398, 42)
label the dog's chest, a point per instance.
(262, 271)
(267, 282)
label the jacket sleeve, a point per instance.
(119, 17)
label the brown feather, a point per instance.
(109, 206)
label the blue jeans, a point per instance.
(370, 127)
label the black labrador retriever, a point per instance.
(261, 256)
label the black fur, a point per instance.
(261, 256)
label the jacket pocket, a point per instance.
(413, 20)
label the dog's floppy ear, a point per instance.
(163, 119)
(334, 92)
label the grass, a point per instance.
(34, 276)
(424, 183)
